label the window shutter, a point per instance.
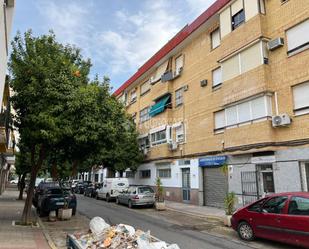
(251, 57)
(237, 6)
(258, 108)
(251, 8)
(230, 68)
(225, 22)
(219, 119)
(298, 35)
(215, 38)
(301, 95)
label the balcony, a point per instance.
(4, 130)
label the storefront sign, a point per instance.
(212, 161)
(263, 159)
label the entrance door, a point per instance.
(186, 184)
(307, 174)
(249, 185)
(266, 180)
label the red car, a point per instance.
(282, 217)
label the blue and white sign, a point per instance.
(212, 161)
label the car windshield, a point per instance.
(145, 190)
(55, 191)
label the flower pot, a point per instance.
(52, 216)
(160, 205)
(227, 220)
(65, 214)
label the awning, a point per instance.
(159, 106)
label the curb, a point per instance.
(46, 235)
(196, 215)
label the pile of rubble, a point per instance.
(102, 235)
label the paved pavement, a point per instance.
(17, 237)
(187, 231)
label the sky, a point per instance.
(119, 36)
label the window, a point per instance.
(158, 137)
(247, 111)
(145, 87)
(179, 97)
(180, 133)
(133, 96)
(245, 60)
(275, 205)
(184, 162)
(144, 142)
(299, 206)
(238, 19)
(134, 117)
(130, 174)
(96, 177)
(178, 64)
(298, 38)
(164, 173)
(216, 77)
(301, 99)
(145, 190)
(124, 98)
(144, 115)
(256, 207)
(215, 38)
(145, 173)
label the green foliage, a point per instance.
(159, 190)
(229, 203)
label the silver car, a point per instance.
(136, 196)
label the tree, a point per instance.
(23, 167)
(44, 72)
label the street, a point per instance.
(169, 226)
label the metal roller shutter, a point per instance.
(215, 187)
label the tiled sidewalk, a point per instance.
(17, 237)
(200, 211)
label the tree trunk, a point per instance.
(26, 216)
(74, 168)
(22, 186)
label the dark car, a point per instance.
(282, 217)
(39, 190)
(89, 190)
(54, 198)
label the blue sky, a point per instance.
(117, 35)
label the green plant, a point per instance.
(229, 203)
(159, 190)
(224, 169)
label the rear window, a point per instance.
(54, 191)
(145, 190)
(299, 206)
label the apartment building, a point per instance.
(224, 105)
(6, 136)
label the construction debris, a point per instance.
(101, 236)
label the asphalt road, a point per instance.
(165, 230)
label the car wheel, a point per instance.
(74, 211)
(108, 199)
(245, 231)
(117, 201)
(130, 205)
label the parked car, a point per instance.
(39, 189)
(137, 196)
(53, 198)
(90, 190)
(81, 186)
(282, 217)
(14, 181)
(111, 188)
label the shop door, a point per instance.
(267, 185)
(186, 184)
(215, 187)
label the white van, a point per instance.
(111, 188)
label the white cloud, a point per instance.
(197, 7)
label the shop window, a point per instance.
(144, 115)
(216, 77)
(179, 97)
(238, 19)
(164, 173)
(298, 38)
(145, 173)
(301, 99)
(215, 38)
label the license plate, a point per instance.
(59, 203)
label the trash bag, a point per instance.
(98, 226)
(126, 229)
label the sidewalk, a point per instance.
(17, 237)
(199, 211)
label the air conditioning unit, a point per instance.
(275, 43)
(173, 146)
(203, 83)
(167, 76)
(185, 88)
(281, 120)
(151, 80)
